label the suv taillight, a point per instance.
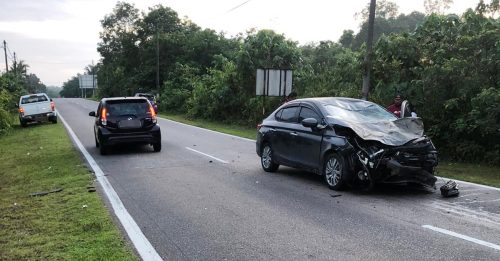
(21, 111)
(104, 117)
(153, 114)
(259, 126)
(52, 106)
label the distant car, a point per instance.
(347, 141)
(36, 108)
(125, 120)
(151, 98)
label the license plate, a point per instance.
(129, 124)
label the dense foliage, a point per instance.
(447, 65)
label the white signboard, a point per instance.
(87, 81)
(273, 82)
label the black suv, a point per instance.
(125, 120)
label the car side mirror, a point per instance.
(92, 113)
(310, 123)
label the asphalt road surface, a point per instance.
(206, 197)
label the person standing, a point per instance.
(395, 107)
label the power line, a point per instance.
(238, 6)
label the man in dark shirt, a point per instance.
(395, 108)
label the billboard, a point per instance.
(273, 82)
(87, 81)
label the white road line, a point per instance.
(210, 156)
(464, 237)
(141, 243)
(196, 127)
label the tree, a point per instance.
(437, 6)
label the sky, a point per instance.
(58, 38)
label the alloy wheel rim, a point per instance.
(333, 172)
(266, 157)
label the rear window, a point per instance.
(127, 107)
(33, 98)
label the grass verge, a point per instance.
(476, 173)
(69, 225)
(232, 129)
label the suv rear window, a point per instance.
(127, 107)
(33, 98)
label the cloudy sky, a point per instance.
(58, 38)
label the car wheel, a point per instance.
(54, 120)
(103, 149)
(157, 147)
(96, 142)
(23, 123)
(266, 159)
(334, 171)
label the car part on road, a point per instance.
(450, 189)
(44, 193)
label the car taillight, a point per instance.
(104, 117)
(153, 114)
(259, 126)
(53, 106)
(21, 110)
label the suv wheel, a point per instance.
(266, 159)
(103, 149)
(54, 120)
(157, 147)
(23, 123)
(334, 171)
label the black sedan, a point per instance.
(125, 120)
(347, 141)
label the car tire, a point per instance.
(96, 142)
(23, 123)
(266, 159)
(103, 149)
(334, 171)
(54, 120)
(157, 147)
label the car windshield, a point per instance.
(33, 98)
(127, 107)
(370, 113)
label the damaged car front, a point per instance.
(385, 149)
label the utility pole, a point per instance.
(157, 61)
(5, 52)
(15, 63)
(368, 58)
(93, 79)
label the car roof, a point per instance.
(342, 102)
(32, 94)
(123, 98)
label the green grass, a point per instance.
(233, 129)
(70, 225)
(476, 173)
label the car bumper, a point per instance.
(407, 174)
(146, 137)
(39, 117)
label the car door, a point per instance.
(306, 145)
(284, 133)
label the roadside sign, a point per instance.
(273, 82)
(87, 81)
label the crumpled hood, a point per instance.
(394, 133)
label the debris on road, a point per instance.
(43, 193)
(450, 189)
(334, 196)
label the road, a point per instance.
(206, 197)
